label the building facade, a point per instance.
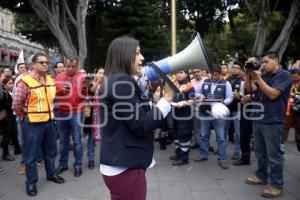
(11, 43)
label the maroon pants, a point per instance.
(129, 185)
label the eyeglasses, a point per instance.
(43, 62)
(196, 72)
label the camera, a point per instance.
(252, 66)
(296, 103)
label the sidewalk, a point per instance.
(196, 181)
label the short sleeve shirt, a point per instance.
(274, 110)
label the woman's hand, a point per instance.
(169, 93)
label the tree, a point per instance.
(260, 39)
(139, 19)
(281, 42)
(56, 15)
(63, 18)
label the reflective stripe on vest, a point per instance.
(40, 103)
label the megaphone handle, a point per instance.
(164, 77)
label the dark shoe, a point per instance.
(223, 165)
(211, 149)
(195, 146)
(241, 162)
(216, 151)
(176, 156)
(7, 158)
(31, 190)
(60, 169)
(40, 163)
(91, 164)
(77, 172)
(17, 151)
(169, 141)
(162, 143)
(235, 156)
(180, 162)
(198, 158)
(56, 179)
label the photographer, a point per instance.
(273, 88)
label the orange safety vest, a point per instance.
(40, 103)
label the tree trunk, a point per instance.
(261, 29)
(54, 16)
(281, 42)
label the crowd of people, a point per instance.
(117, 107)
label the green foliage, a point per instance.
(27, 24)
(149, 21)
(232, 41)
(139, 19)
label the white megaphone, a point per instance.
(193, 56)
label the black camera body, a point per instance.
(252, 66)
(296, 103)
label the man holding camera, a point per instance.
(273, 88)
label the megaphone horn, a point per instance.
(194, 55)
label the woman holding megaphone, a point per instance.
(128, 122)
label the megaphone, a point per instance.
(194, 55)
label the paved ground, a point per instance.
(196, 181)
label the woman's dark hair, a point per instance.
(36, 55)
(121, 55)
(7, 79)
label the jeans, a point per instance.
(219, 127)
(70, 125)
(236, 124)
(267, 148)
(91, 146)
(37, 137)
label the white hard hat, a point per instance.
(219, 110)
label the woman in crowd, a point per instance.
(128, 122)
(9, 126)
(91, 129)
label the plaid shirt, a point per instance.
(22, 94)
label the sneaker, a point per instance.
(22, 169)
(271, 192)
(254, 180)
